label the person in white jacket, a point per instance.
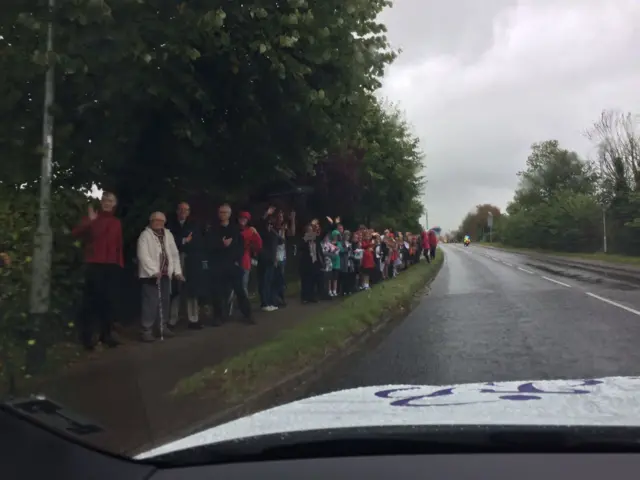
(158, 263)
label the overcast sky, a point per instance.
(481, 80)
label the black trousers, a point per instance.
(376, 275)
(99, 300)
(347, 282)
(225, 279)
(311, 284)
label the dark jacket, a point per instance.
(196, 284)
(222, 257)
(304, 256)
(194, 265)
(182, 231)
(270, 242)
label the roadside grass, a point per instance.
(597, 256)
(13, 378)
(311, 341)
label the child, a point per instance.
(336, 250)
(329, 252)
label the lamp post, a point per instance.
(39, 298)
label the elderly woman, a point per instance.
(158, 263)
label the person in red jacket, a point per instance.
(101, 233)
(252, 246)
(368, 260)
(426, 247)
(433, 243)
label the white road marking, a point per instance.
(494, 259)
(556, 281)
(507, 264)
(615, 304)
(525, 270)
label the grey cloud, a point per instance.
(435, 27)
(481, 81)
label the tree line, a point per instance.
(162, 101)
(217, 99)
(568, 203)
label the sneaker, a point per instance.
(147, 337)
(110, 342)
(195, 326)
(272, 308)
(266, 308)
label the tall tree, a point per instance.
(193, 95)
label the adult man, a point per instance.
(188, 240)
(268, 261)
(433, 243)
(101, 233)
(226, 247)
(285, 230)
(426, 245)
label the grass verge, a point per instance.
(597, 256)
(311, 341)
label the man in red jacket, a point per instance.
(426, 247)
(101, 233)
(433, 243)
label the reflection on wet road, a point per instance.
(495, 316)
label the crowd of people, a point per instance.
(182, 264)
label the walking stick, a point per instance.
(160, 308)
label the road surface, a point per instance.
(495, 316)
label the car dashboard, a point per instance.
(32, 451)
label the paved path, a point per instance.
(125, 389)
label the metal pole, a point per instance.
(604, 229)
(39, 299)
(604, 208)
(41, 282)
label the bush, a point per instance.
(18, 222)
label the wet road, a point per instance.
(496, 316)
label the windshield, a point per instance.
(212, 209)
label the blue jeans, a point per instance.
(265, 284)
(279, 284)
(245, 281)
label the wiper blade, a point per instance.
(53, 415)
